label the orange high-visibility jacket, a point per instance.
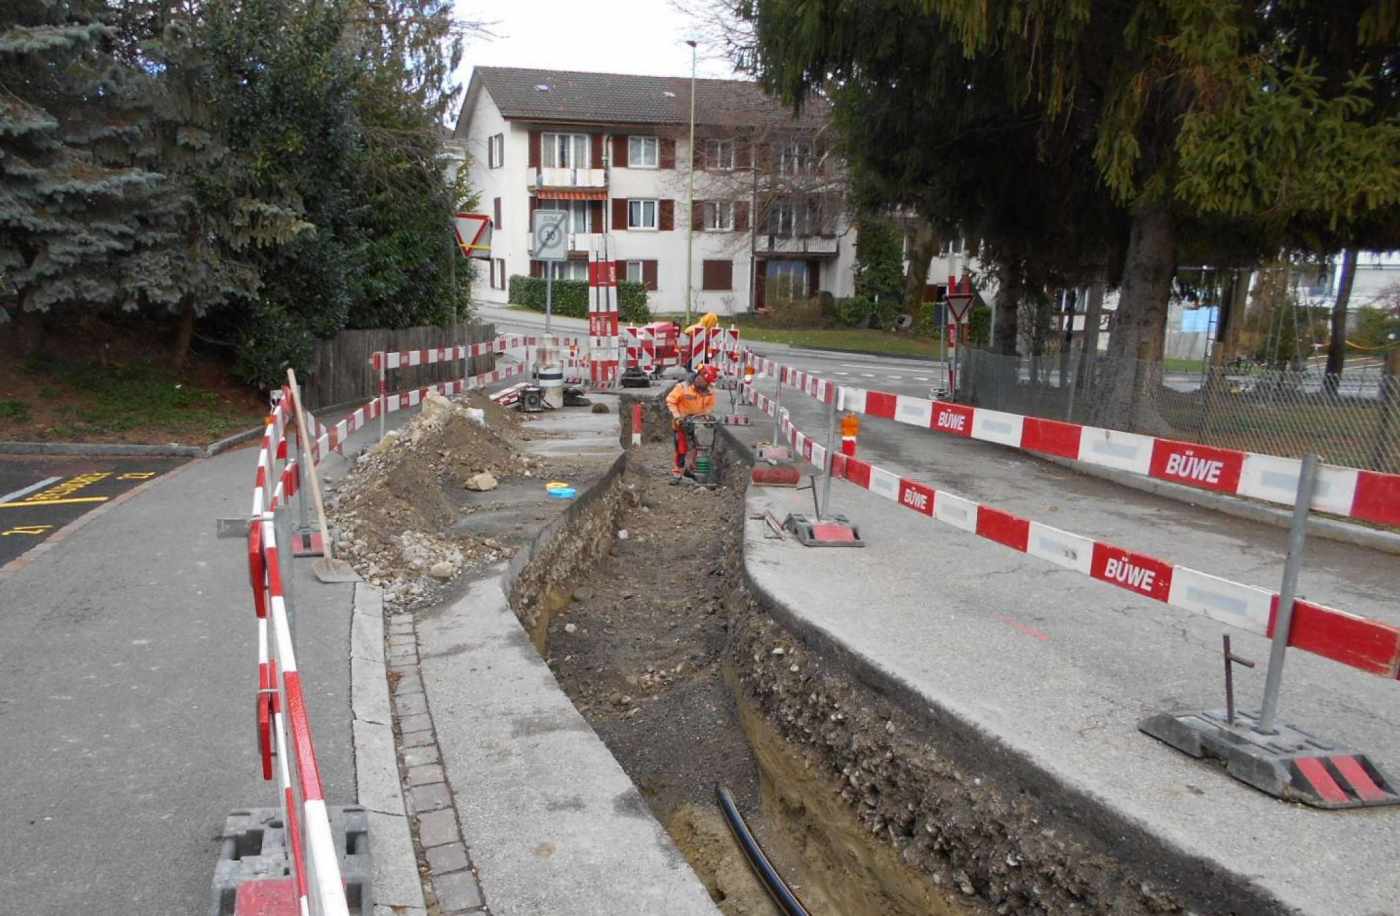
(685, 400)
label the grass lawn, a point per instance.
(72, 400)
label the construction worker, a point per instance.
(689, 399)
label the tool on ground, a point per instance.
(763, 869)
(328, 568)
(531, 399)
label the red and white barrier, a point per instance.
(1362, 643)
(1369, 496)
(283, 722)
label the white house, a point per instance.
(612, 151)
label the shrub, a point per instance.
(571, 298)
(793, 313)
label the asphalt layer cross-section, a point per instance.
(40, 494)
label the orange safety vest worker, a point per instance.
(689, 399)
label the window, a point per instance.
(795, 159)
(719, 155)
(564, 151)
(496, 213)
(495, 151)
(634, 272)
(719, 215)
(569, 270)
(786, 280)
(717, 276)
(643, 272)
(641, 214)
(578, 219)
(641, 152)
(782, 215)
(498, 273)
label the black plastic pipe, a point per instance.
(772, 881)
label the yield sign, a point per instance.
(473, 234)
(960, 296)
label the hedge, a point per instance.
(571, 298)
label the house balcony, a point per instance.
(568, 178)
(799, 244)
(582, 242)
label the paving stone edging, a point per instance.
(419, 856)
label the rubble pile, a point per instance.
(404, 491)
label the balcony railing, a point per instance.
(568, 178)
(799, 244)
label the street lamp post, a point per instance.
(690, 189)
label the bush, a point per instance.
(571, 298)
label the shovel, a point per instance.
(328, 568)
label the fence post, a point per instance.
(1307, 479)
(1388, 390)
(382, 359)
(825, 508)
(778, 406)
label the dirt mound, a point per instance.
(391, 510)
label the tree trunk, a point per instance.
(180, 354)
(922, 244)
(1233, 304)
(28, 332)
(1008, 312)
(1337, 346)
(1089, 347)
(1135, 347)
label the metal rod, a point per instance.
(830, 445)
(1297, 533)
(772, 882)
(548, 293)
(1229, 681)
(383, 398)
(778, 407)
(303, 523)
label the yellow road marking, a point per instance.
(55, 502)
(26, 529)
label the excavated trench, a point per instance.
(866, 806)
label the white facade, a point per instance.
(500, 162)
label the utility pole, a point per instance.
(690, 189)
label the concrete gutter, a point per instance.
(136, 450)
(1318, 525)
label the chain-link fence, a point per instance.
(1351, 420)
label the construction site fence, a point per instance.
(1358, 642)
(1350, 419)
(338, 373)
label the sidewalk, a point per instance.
(1058, 668)
(128, 665)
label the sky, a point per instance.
(616, 36)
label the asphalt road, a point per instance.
(40, 494)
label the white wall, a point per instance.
(667, 248)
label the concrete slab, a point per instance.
(553, 823)
(1059, 668)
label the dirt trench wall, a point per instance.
(540, 577)
(656, 418)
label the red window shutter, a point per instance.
(621, 268)
(534, 149)
(496, 206)
(741, 216)
(536, 268)
(595, 151)
(595, 215)
(666, 218)
(666, 158)
(697, 216)
(649, 275)
(619, 156)
(619, 214)
(717, 276)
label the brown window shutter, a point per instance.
(534, 205)
(619, 156)
(666, 217)
(649, 275)
(666, 157)
(621, 268)
(595, 151)
(595, 215)
(741, 216)
(717, 276)
(536, 268)
(496, 206)
(697, 215)
(619, 214)
(743, 154)
(814, 274)
(534, 149)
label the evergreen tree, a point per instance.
(74, 210)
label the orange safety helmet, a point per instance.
(708, 373)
